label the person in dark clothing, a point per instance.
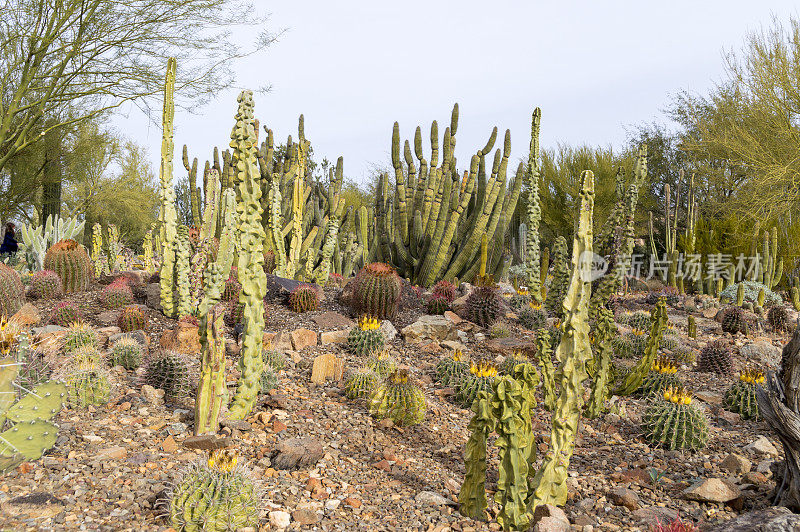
(9, 241)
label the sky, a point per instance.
(353, 68)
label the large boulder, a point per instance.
(762, 352)
(428, 327)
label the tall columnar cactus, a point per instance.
(573, 352)
(99, 259)
(534, 210)
(168, 215)
(71, 262)
(182, 267)
(251, 256)
(12, 291)
(113, 248)
(560, 281)
(691, 329)
(147, 249)
(429, 226)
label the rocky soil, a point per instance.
(325, 464)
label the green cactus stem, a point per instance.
(168, 216)
(658, 320)
(212, 392)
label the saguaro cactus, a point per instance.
(168, 216)
(250, 238)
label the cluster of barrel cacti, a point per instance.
(452, 369)
(399, 399)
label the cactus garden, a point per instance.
(488, 343)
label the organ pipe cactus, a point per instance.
(250, 246)
(168, 215)
(429, 227)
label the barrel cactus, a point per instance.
(131, 318)
(398, 399)
(171, 372)
(532, 317)
(72, 264)
(116, 295)
(480, 378)
(716, 357)
(512, 361)
(269, 379)
(367, 338)
(741, 396)
(232, 288)
(46, 284)
(381, 363)
(215, 495)
(12, 291)
(778, 318)
(445, 289)
(520, 300)
(661, 376)
(127, 353)
(438, 305)
(304, 298)
(484, 305)
(376, 291)
(452, 369)
(79, 334)
(273, 359)
(64, 313)
(639, 320)
(734, 321)
(673, 422)
(87, 384)
(361, 384)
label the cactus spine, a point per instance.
(168, 216)
(251, 256)
(534, 210)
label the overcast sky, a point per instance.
(354, 67)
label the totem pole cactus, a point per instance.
(534, 211)
(182, 258)
(147, 249)
(168, 216)
(658, 320)
(573, 352)
(250, 246)
(113, 248)
(99, 259)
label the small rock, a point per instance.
(549, 518)
(279, 341)
(773, 519)
(26, 317)
(279, 519)
(108, 317)
(305, 516)
(762, 445)
(297, 453)
(111, 453)
(453, 317)
(207, 442)
(653, 515)
(332, 320)
(92, 438)
(388, 330)
(762, 351)
(352, 502)
(736, 464)
(711, 490)
(302, 338)
(169, 445)
(332, 504)
(152, 395)
(431, 498)
(624, 497)
(427, 327)
(153, 296)
(710, 398)
(754, 477)
(334, 337)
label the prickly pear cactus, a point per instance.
(399, 400)
(215, 496)
(673, 422)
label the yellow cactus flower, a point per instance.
(223, 460)
(458, 355)
(366, 323)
